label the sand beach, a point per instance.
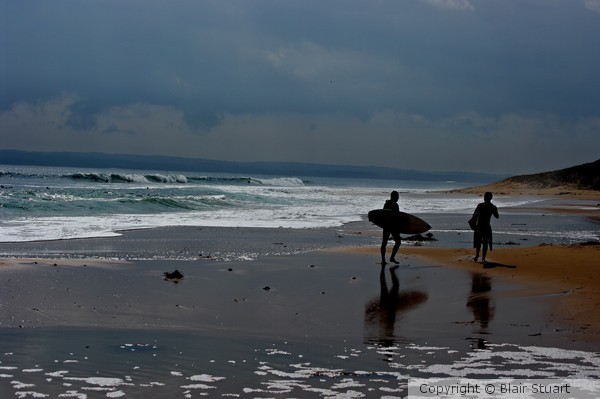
(291, 312)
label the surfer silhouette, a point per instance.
(391, 204)
(483, 229)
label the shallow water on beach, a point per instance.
(122, 363)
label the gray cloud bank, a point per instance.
(493, 86)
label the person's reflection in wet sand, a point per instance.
(479, 301)
(381, 313)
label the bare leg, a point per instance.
(485, 249)
(394, 251)
(384, 247)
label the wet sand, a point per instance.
(564, 277)
(329, 323)
(332, 294)
(300, 294)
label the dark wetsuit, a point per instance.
(483, 230)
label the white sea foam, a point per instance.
(100, 381)
(32, 394)
(206, 378)
(197, 386)
(73, 394)
(58, 374)
(21, 385)
(115, 394)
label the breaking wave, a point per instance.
(132, 177)
(128, 178)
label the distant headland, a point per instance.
(580, 181)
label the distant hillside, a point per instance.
(164, 163)
(573, 180)
(581, 177)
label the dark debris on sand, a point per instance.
(421, 237)
(174, 276)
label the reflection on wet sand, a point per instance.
(381, 313)
(479, 301)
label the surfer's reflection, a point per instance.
(479, 301)
(381, 313)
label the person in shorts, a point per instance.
(483, 228)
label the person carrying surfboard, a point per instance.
(391, 204)
(483, 228)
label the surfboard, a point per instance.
(401, 222)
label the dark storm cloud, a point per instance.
(203, 63)
(504, 56)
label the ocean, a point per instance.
(52, 203)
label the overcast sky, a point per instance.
(499, 86)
